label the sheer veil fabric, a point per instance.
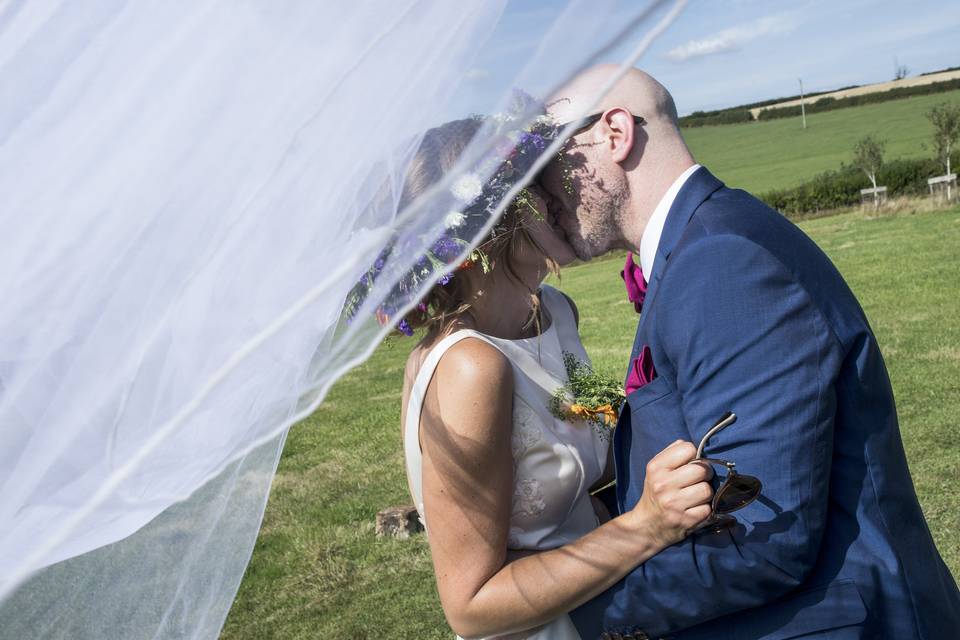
(189, 192)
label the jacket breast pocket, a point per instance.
(656, 420)
(650, 392)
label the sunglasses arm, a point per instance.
(723, 463)
(728, 419)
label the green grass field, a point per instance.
(318, 571)
(774, 154)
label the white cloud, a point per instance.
(731, 39)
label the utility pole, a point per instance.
(803, 109)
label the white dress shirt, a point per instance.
(650, 239)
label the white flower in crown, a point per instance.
(454, 219)
(467, 188)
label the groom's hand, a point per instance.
(676, 495)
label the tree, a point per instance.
(946, 129)
(901, 72)
(868, 157)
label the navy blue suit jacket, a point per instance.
(745, 313)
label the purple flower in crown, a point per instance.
(532, 141)
(404, 327)
(447, 249)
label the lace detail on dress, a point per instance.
(528, 498)
(528, 495)
(526, 430)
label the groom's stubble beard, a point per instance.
(601, 220)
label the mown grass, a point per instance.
(318, 571)
(776, 154)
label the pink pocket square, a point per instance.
(642, 371)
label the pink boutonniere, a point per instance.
(636, 284)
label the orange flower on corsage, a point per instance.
(604, 413)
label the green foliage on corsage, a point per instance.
(588, 396)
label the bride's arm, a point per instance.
(466, 428)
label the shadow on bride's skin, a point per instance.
(449, 451)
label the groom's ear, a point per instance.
(619, 132)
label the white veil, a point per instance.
(188, 193)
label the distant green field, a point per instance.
(318, 571)
(774, 154)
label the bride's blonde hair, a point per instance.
(439, 151)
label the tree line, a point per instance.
(739, 114)
(841, 188)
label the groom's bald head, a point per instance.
(612, 175)
(637, 91)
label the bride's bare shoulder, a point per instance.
(472, 384)
(473, 359)
(466, 362)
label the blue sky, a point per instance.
(722, 53)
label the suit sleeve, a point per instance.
(739, 333)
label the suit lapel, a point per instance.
(700, 186)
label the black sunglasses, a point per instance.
(589, 121)
(737, 490)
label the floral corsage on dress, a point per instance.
(588, 396)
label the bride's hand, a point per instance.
(676, 495)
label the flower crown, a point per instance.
(512, 157)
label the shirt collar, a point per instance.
(650, 239)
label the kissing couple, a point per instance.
(741, 317)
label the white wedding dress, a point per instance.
(555, 462)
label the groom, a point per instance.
(744, 313)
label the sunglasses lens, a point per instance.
(736, 493)
(716, 523)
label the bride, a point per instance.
(494, 475)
